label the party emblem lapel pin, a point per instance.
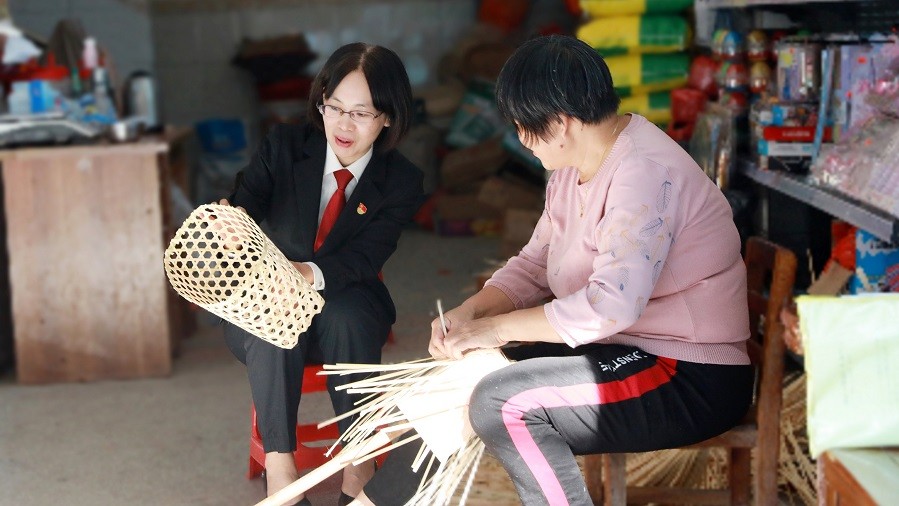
(361, 209)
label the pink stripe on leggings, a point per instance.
(587, 394)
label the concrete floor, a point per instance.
(183, 440)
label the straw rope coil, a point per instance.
(222, 261)
(707, 468)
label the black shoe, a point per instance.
(344, 499)
(302, 502)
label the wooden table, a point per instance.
(86, 227)
(858, 477)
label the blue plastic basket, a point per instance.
(222, 136)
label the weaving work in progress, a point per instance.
(222, 261)
(429, 396)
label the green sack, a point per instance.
(633, 74)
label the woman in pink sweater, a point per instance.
(642, 343)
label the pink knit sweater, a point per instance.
(645, 253)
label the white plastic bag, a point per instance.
(851, 358)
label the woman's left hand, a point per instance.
(473, 335)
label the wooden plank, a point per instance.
(145, 145)
(665, 495)
(837, 486)
(85, 245)
(741, 436)
(615, 492)
(593, 476)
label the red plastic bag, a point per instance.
(702, 75)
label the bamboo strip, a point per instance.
(321, 473)
(385, 449)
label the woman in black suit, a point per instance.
(362, 106)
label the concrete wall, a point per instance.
(194, 46)
(188, 44)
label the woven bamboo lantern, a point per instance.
(222, 261)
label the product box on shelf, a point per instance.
(873, 258)
(791, 114)
(782, 134)
(795, 157)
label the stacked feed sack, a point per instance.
(644, 43)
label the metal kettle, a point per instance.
(140, 99)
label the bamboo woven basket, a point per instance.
(222, 261)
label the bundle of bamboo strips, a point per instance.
(427, 395)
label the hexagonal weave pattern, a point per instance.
(222, 261)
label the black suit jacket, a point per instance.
(281, 190)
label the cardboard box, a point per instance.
(472, 164)
(873, 258)
(443, 99)
(420, 147)
(505, 193)
(485, 61)
(794, 133)
(518, 228)
(466, 215)
(794, 157)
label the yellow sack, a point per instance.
(600, 8)
(636, 34)
(633, 74)
(656, 107)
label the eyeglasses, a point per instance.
(361, 117)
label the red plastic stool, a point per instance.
(305, 456)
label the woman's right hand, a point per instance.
(224, 202)
(455, 317)
(228, 241)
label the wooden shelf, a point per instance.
(736, 4)
(880, 223)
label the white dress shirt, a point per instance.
(329, 186)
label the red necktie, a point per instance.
(335, 205)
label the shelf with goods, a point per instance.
(883, 225)
(735, 4)
(822, 72)
(817, 16)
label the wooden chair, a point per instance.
(771, 271)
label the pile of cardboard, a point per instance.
(483, 184)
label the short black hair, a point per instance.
(388, 83)
(548, 77)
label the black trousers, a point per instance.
(555, 402)
(352, 328)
